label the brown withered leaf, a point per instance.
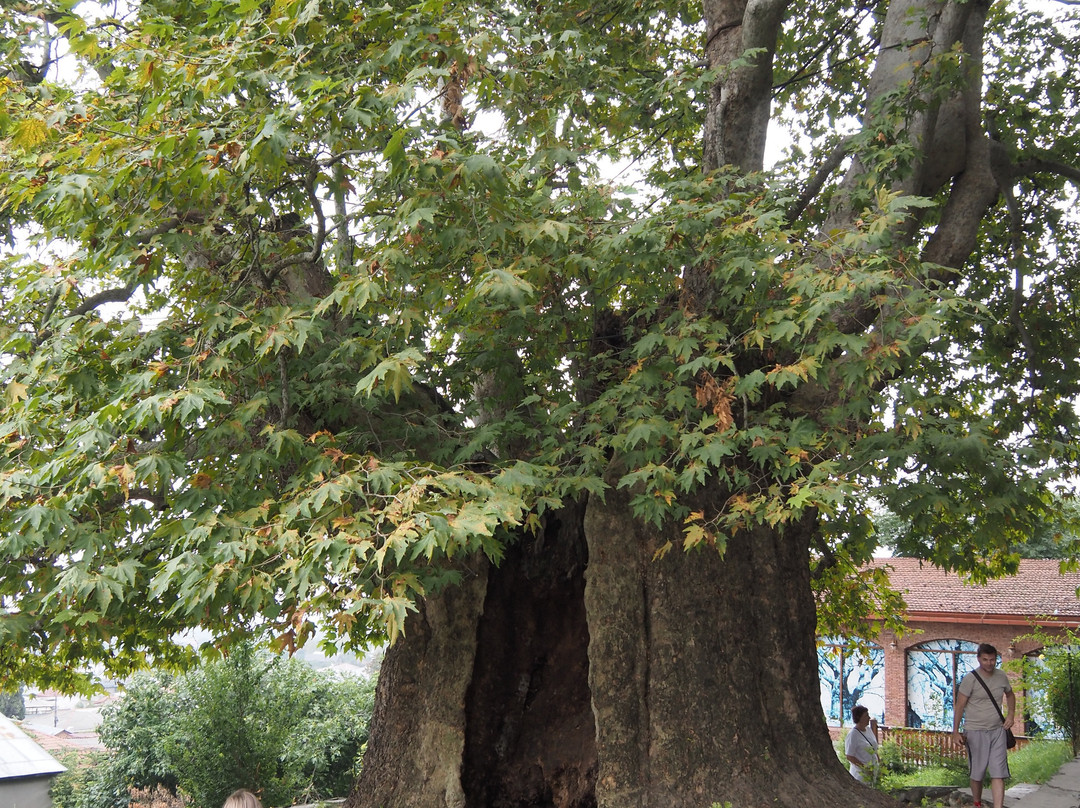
(710, 394)
(454, 91)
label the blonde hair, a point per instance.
(242, 798)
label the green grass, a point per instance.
(1036, 763)
(1039, 761)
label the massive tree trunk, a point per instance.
(704, 670)
(584, 672)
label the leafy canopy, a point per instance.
(307, 300)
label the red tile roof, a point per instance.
(58, 743)
(1037, 590)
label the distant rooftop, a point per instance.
(1038, 590)
(22, 757)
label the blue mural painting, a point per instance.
(934, 669)
(850, 676)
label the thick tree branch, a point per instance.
(1046, 165)
(27, 72)
(313, 255)
(736, 123)
(971, 163)
(973, 192)
(960, 148)
(817, 182)
(283, 380)
(1016, 259)
(345, 247)
(120, 295)
(167, 226)
(123, 294)
(54, 298)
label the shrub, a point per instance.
(1053, 684)
(254, 720)
(1061, 680)
(892, 759)
(12, 704)
(89, 782)
(134, 729)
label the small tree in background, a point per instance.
(1053, 683)
(133, 729)
(12, 704)
(253, 720)
(1062, 688)
(89, 782)
(327, 746)
(233, 726)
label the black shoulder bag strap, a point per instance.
(1010, 739)
(991, 695)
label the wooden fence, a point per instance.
(927, 747)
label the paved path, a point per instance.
(1060, 791)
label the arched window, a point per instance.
(849, 676)
(934, 669)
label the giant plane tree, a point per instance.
(498, 330)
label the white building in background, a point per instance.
(26, 770)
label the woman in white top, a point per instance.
(860, 747)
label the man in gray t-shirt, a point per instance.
(984, 731)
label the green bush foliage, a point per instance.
(89, 782)
(1061, 688)
(1052, 683)
(253, 720)
(12, 704)
(266, 723)
(892, 759)
(134, 727)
